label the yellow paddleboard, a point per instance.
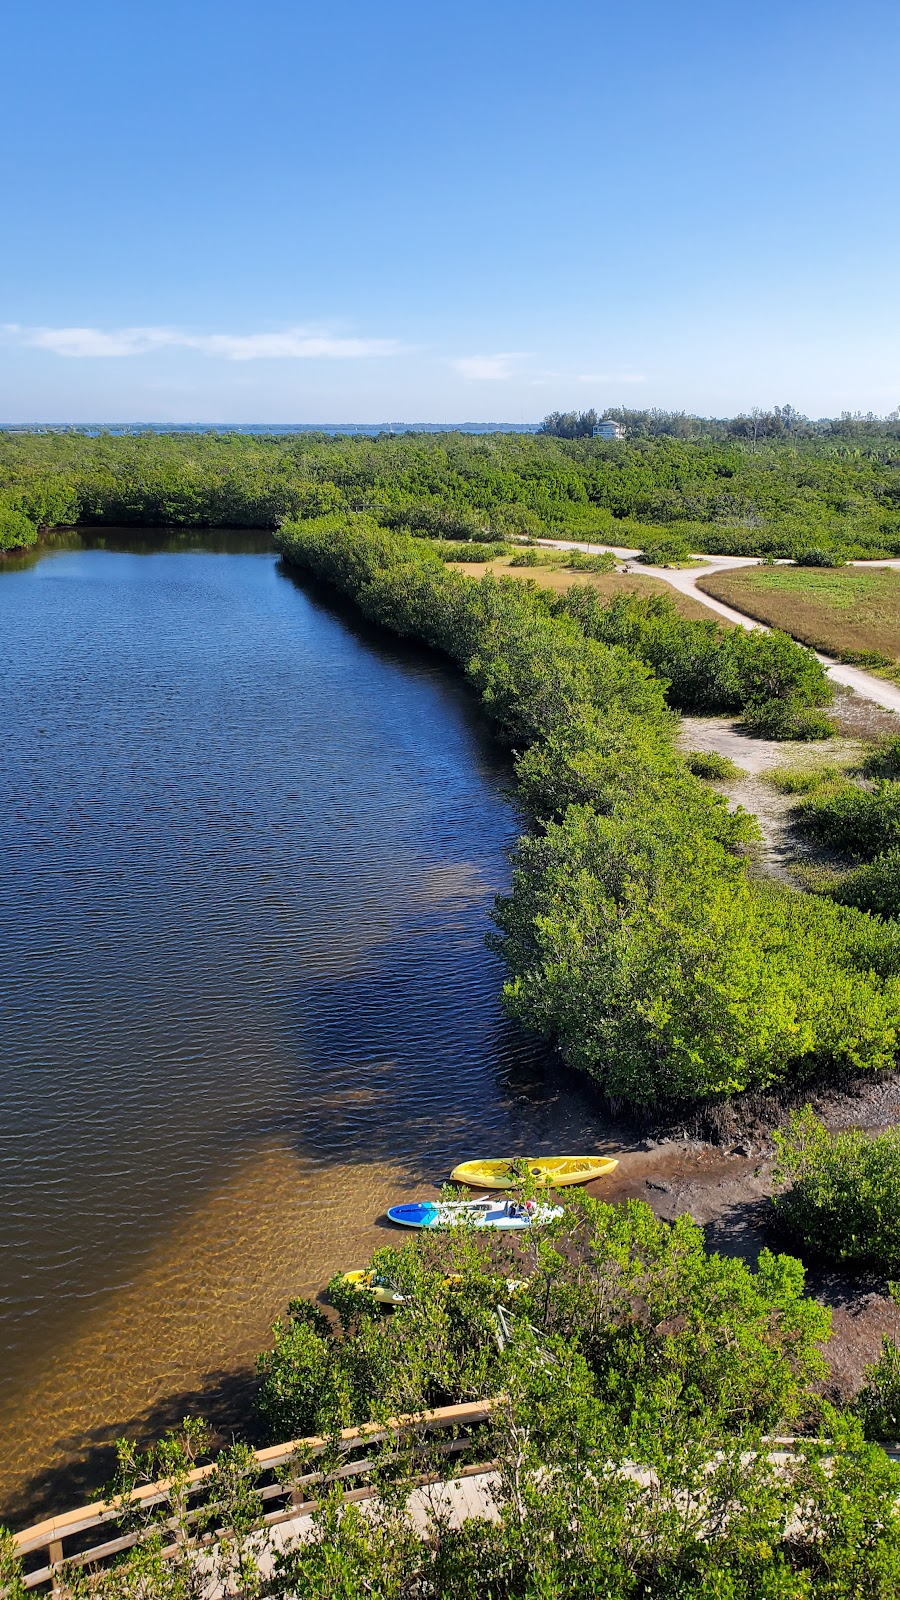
(557, 1171)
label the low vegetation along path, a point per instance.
(866, 684)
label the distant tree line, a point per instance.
(776, 488)
(781, 422)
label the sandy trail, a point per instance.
(781, 848)
(685, 580)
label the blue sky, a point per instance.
(440, 212)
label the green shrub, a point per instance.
(841, 1192)
(787, 719)
(866, 658)
(665, 552)
(513, 520)
(614, 761)
(691, 656)
(744, 1351)
(800, 780)
(16, 530)
(706, 668)
(436, 519)
(635, 1391)
(878, 1402)
(302, 1387)
(12, 1576)
(770, 665)
(875, 886)
(816, 556)
(883, 761)
(603, 561)
(864, 822)
(719, 492)
(711, 764)
(638, 942)
(471, 550)
(532, 557)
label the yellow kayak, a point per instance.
(557, 1171)
(379, 1288)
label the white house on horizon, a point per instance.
(608, 430)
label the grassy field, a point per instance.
(849, 612)
(608, 583)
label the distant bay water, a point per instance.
(371, 428)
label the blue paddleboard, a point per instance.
(418, 1214)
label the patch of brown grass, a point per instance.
(845, 611)
(609, 584)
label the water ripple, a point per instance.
(245, 874)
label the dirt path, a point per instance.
(781, 848)
(881, 693)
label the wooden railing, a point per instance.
(292, 1493)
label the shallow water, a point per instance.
(248, 855)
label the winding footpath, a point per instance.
(865, 684)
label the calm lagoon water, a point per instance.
(248, 855)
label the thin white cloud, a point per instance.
(489, 369)
(91, 341)
(294, 344)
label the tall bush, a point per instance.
(863, 822)
(840, 1196)
(707, 668)
(16, 530)
(874, 886)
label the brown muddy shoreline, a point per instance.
(716, 1167)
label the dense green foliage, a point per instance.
(741, 1353)
(603, 561)
(637, 1380)
(16, 530)
(863, 822)
(707, 668)
(630, 1344)
(696, 1531)
(472, 550)
(789, 718)
(666, 550)
(860, 821)
(783, 423)
(637, 1383)
(874, 886)
(883, 760)
(570, 424)
(780, 494)
(841, 1197)
(818, 558)
(633, 935)
(878, 1401)
(712, 765)
(639, 942)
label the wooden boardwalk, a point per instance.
(287, 1481)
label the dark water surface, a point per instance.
(248, 854)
